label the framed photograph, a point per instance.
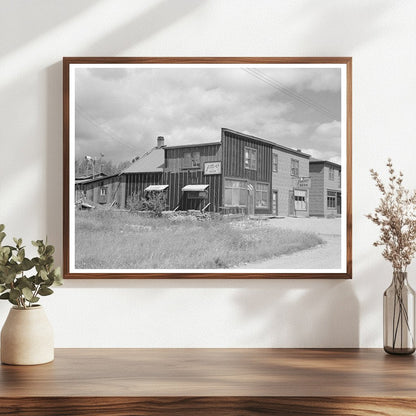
(207, 168)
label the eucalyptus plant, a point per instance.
(16, 285)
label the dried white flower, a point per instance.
(396, 217)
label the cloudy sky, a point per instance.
(119, 112)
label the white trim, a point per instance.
(194, 188)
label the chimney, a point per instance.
(160, 142)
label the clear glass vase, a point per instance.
(399, 316)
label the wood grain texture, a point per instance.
(67, 61)
(207, 406)
(212, 381)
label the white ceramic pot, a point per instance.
(27, 337)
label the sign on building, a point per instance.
(212, 168)
(304, 182)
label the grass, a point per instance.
(121, 240)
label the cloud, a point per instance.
(327, 136)
(120, 112)
(323, 155)
(315, 80)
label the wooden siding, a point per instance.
(174, 156)
(233, 145)
(91, 190)
(285, 183)
(233, 157)
(317, 197)
(176, 197)
(320, 185)
(136, 183)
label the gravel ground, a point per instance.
(324, 256)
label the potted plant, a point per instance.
(27, 336)
(396, 217)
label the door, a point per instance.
(274, 203)
(250, 199)
(339, 203)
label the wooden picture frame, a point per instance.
(224, 182)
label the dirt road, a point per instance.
(324, 256)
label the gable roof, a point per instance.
(312, 160)
(268, 142)
(152, 161)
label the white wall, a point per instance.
(380, 35)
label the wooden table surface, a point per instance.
(212, 381)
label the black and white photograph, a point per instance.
(207, 168)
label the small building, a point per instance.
(325, 192)
(100, 190)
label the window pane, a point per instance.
(228, 197)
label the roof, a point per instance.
(325, 162)
(194, 145)
(156, 187)
(90, 176)
(194, 188)
(96, 179)
(152, 161)
(273, 144)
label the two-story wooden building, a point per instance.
(239, 173)
(325, 192)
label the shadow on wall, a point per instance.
(37, 17)
(158, 17)
(301, 313)
(148, 23)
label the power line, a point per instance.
(282, 88)
(287, 91)
(105, 129)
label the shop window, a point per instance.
(300, 200)
(250, 158)
(262, 195)
(294, 167)
(331, 199)
(235, 193)
(191, 160)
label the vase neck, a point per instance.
(400, 276)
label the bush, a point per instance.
(154, 202)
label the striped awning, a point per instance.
(156, 187)
(194, 188)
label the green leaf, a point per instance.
(43, 274)
(2, 227)
(37, 243)
(49, 250)
(26, 264)
(2, 288)
(9, 277)
(5, 295)
(45, 291)
(2, 236)
(24, 282)
(15, 294)
(27, 293)
(58, 276)
(13, 302)
(21, 255)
